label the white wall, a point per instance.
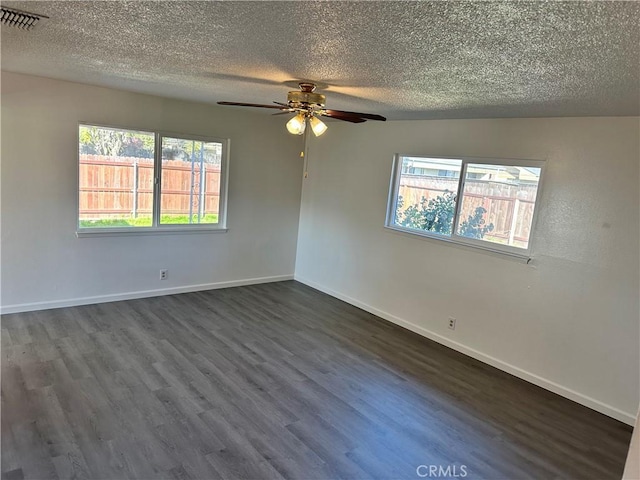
(44, 264)
(569, 321)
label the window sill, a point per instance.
(133, 231)
(524, 257)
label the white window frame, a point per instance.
(156, 227)
(455, 238)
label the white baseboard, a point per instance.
(73, 302)
(585, 400)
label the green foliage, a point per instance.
(110, 142)
(146, 221)
(436, 215)
(474, 226)
(190, 150)
(113, 143)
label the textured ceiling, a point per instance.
(405, 60)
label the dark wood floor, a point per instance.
(273, 381)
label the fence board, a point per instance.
(110, 187)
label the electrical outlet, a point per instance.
(164, 273)
(452, 323)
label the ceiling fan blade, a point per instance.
(283, 112)
(342, 116)
(367, 116)
(281, 104)
(237, 104)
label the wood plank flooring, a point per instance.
(273, 381)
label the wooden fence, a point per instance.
(117, 187)
(508, 207)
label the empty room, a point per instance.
(320, 240)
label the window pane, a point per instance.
(427, 192)
(498, 203)
(190, 187)
(116, 177)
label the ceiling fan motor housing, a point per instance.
(306, 95)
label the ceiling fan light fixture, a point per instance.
(317, 126)
(297, 124)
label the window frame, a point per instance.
(394, 188)
(156, 227)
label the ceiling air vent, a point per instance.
(20, 18)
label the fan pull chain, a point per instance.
(306, 173)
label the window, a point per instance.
(486, 203)
(132, 180)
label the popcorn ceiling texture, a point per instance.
(406, 60)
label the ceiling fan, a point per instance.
(308, 106)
